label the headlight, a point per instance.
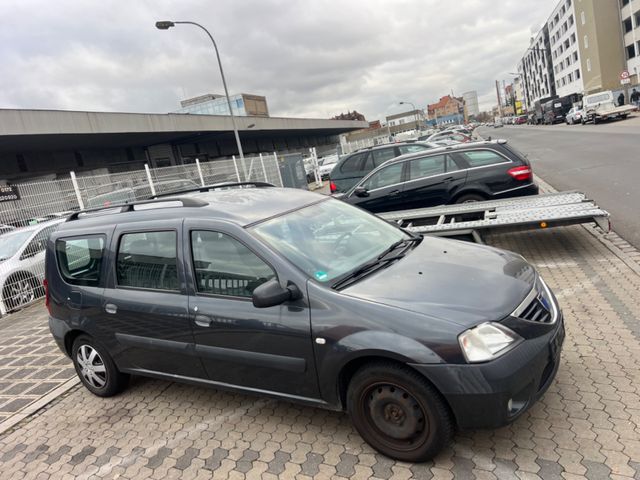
(486, 342)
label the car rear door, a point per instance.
(145, 305)
(268, 349)
(487, 171)
(432, 180)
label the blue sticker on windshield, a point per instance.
(321, 276)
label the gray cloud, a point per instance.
(313, 58)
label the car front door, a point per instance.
(432, 180)
(145, 303)
(382, 190)
(266, 349)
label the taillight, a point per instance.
(45, 284)
(521, 173)
(333, 187)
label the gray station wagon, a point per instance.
(300, 296)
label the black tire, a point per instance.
(100, 366)
(470, 197)
(378, 399)
(20, 290)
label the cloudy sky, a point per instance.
(312, 58)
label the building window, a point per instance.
(631, 51)
(627, 25)
(570, 20)
(624, 3)
(577, 72)
(573, 38)
(570, 77)
(586, 42)
(575, 56)
(588, 64)
(583, 18)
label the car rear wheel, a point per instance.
(398, 412)
(96, 369)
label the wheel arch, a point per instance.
(471, 190)
(70, 338)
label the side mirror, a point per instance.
(361, 192)
(271, 293)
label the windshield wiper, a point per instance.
(380, 260)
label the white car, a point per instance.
(573, 116)
(22, 264)
(326, 164)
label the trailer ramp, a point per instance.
(522, 213)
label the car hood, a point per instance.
(452, 280)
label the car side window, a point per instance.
(382, 155)
(426, 166)
(480, 158)
(412, 148)
(352, 164)
(80, 259)
(148, 260)
(224, 266)
(387, 176)
(451, 165)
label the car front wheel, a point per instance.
(398, 412)
(96, 368)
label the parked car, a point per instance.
(450, 135)
(353, 167)
(326, 164)
(6, 228)
(554, 110)
(22, 253)
(457, 174)
(574, 116)
(520, 120)
(601, 106)
(298, 296)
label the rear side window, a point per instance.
(80, 259)
(224, 266)
(352, 164)
(148, 260)
(426, 166)
(481, 158)
(382, 155)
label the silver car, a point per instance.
(574, 116)
(22, 264)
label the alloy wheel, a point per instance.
(21, 293)
(92, 366)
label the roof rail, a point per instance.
(208, 188)
(129, 207)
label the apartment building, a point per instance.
(536, 70)
(630, 22)
(584, 43)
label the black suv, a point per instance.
(351, 168)
(456, 174)
(300, 296)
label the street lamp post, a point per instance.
(415, 113)
(166, 25)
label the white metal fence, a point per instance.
(30, 211)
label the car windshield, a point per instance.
(329, 239)
(11, 242)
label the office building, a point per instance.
(242, 104)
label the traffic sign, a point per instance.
(624, 77)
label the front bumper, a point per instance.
(493, 394)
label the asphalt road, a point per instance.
(601, 160)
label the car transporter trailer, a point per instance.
(512, 214)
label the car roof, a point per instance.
(384, 145)
(241, 206)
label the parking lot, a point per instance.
(587, 425)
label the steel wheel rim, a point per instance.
(92, 366)
(21, 293)
(399, 420)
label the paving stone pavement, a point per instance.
(586, 426)
(30, 363)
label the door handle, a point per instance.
(394, 193)
(203, 321)
(448, 179)
(111, 308)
